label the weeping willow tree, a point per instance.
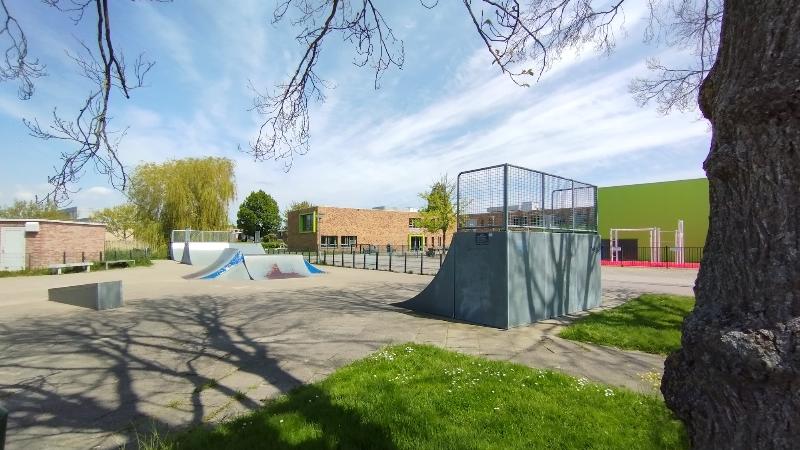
(186, 193)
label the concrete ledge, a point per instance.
(97, 296)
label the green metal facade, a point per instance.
(656, 205)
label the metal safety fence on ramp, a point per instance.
(405, 262)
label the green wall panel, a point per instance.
(656, 205)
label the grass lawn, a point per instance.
(650, 323)
(422, 397)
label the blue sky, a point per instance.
(448, 110)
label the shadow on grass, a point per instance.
(307, 418)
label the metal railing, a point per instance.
(402, 262)
(204, 236)
(508, 198)
(666, 257)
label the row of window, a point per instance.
(333, 241)
(307, 223)
(352, 241)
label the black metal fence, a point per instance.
(508, 197)
(43, 260)
(401, 262)
(373, 248)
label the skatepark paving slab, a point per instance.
(191, 351)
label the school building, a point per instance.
(358, 229)
(637, 206)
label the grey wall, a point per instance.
(551, 274)
(480, 279)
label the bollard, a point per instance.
(376, 260)
(364, 266)
(390, 261)
(405, 262)
(354, 259)
(421, 260)
(440, 259)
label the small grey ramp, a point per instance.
(97, 296)
(272, 267)
(222, 260)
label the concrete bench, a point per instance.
(59, 267)
(97, 296)
(128, 262)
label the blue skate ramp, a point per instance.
(273, 267)
(229, 264)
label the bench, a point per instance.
(128, 262)
(59, 267)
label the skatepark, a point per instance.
(76, 378)
(222, 326)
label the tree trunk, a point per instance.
(736, 380)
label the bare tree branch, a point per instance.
(16, 64)
(536, 33)
(285, 129)
(693, 24)
(89, 130)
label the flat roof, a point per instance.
(655, 182)
(67, 222)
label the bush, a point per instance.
(273, 244)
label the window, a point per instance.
(349, 241)
(472, 223)
(329, 241)
(307, 223)
(519, 221)
(414, 222)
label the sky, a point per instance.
(447, 110)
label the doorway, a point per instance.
(12, 248)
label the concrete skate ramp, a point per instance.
(248, 248)
(200, 253)
(505, 279)
(179, 254)
(273, 267)
(224, 265)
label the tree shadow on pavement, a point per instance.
(91, 378)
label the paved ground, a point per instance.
(183, 352)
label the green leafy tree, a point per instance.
(186, 193)
(33, 210)
(440, 212)
(259, 212)
(120, 220)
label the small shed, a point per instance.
(36, 243)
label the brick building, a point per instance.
(354, 228)
(34, 243)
